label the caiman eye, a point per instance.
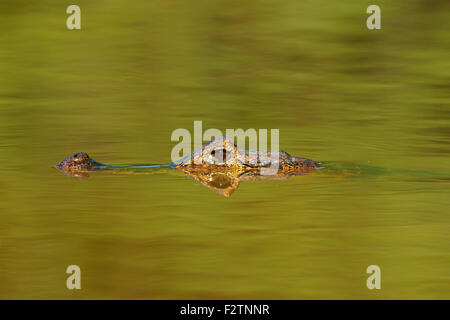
(77, 156)
(224, 154)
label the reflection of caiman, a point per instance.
(218, 165)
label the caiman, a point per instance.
(218, 165)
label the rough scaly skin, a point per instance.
(223, 152)
(78, 162)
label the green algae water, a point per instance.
(372, 105)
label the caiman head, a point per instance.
(78, 162)
(223, 153)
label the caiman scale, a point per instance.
(218, 164)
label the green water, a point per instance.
(137, 70)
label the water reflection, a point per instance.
(225, 181)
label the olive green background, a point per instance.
(353, 98)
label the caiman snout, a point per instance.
(79, 161)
